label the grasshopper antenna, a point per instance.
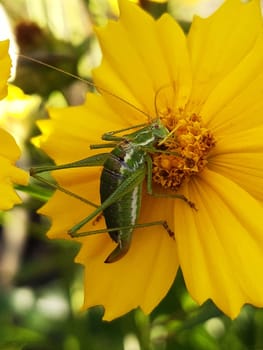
(86, 82)
(160, 89)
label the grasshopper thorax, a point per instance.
(149, 135)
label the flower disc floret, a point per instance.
(186, 149)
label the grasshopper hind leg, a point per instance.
(124, 245)
(167, 228)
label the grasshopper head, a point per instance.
(159, 130)
(148, 135)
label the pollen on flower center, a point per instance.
(189, 143)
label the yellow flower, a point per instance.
(206, 88)
(5, 67)
(16, 111)
(9, 151)
(9, 173)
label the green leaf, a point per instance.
(13, 337)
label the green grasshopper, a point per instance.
(124, 170)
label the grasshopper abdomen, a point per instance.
(124, 213)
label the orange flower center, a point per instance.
(185, 149)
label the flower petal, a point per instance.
(5, 64)
(76, 128)
(217, 44)
(133, 280)
(239, 158)
(173, 44)
(83, 182)
(154, 51)
(236, 103)
(9, 174)
(220, 250)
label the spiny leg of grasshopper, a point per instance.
(125, 187)
(136, 226)
(96, 160)
(110, 136)
(149, 182)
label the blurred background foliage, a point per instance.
(40, 286)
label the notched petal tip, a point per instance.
(224, 240)
(120, 286)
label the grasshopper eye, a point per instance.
(163, 147)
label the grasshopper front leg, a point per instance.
(162, 195)
(110, 135)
